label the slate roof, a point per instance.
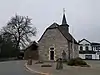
(64, 31)
(66, 34)
(33, 44)
(85, 40)
(95, 43)
(92, 43)
(54, 25)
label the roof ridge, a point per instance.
(54, 25)
(85, 40)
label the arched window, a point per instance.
(51, 48)
(86, 48)
(81, 48)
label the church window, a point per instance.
(51, 48)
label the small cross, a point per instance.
(63, 10)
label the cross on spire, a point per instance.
(64, 22)
(64, 10)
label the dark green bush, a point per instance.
(77, 62)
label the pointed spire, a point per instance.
(64, 18)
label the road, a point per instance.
(14, 68)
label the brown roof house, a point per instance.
(56, 42)
(32, 51)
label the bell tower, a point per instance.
(64, 22)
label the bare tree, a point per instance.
(20, 28)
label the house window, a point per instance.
(92, 48)
(81, 48)
(97, 48)
(88, 56)
(99, 57)
(86, 48)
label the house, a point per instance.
(89, 50)
(56, 41)
(31, 51)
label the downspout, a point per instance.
(68, 51)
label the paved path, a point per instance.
(14, 68)
(69, 70)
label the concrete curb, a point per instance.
(33, 71)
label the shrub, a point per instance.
(46, 65)
(77, 62)
(85, 65)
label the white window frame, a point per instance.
(54, 53)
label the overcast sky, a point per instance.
(83, 16)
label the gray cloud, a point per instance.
(82, 15)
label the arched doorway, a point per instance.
(51, 55)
